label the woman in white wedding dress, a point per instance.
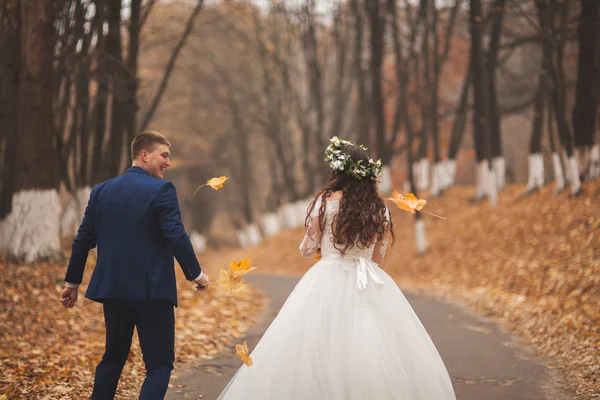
(346, 332)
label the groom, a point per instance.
(134, 220)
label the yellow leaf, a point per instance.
(3, 397)
(216, 183)
(238, 269)
(241, 350)
(408, 203)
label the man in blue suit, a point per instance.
(135, 222)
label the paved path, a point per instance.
(483, 361)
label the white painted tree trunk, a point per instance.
(437, 179)
(574, 175)
(4, 234)
(301, 208)
(499, 167)
(559, 176)
(243, 238)
(416, 174)
(270, 224)
(287, 213)
(595, 161)
(33, 226)
(421, 237)
(73, 214)
(451, 173)
(385, 180)
(423, 181)
(536, 172)
(491, 184)
(480, 179)
(253, 234)
(198, 242)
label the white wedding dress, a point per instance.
(346, 332)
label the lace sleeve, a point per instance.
(381, 245)
(312, 236)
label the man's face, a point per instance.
(157, 161)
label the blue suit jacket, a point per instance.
(134, 220)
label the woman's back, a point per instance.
(315, 239)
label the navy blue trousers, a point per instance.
(155, 323)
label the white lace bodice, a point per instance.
(315, 239)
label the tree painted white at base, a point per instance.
(32, 228)
(450, 173)
(499, 167)
(536, 172)
(3, 234)
(270, 224)
(491, 184)
(301, 207)
(73, 213)
(559, 176)
(480, 179)
(198, 242)
(287, 215)
(437, 179)
(487, 185)
(243, 238)
(253, 234)
(423, 180)
(595, 161)
(574, 180)
(421, 236)
(385, 180)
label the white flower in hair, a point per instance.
(340, 161)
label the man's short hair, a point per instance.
(146, 141)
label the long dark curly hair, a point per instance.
(361, 219)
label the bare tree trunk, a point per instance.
(170, 65)
(135, 25)
(481, 106)
(558, 91)
(557, 167)
(9, 77)
(586, 96)
(536, 159)
(315, 89)
(340, 95)
(458, 126)
(377, 28)
(36, 207)
(101, 98)
(362, 114)
(497, 17)
(111, 159)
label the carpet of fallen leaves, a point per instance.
(531, 264)
(48, 352)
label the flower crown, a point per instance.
(340, 161)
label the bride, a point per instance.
(346, 332)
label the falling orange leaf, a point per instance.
(241, 350)
(215, 183)
(410, 203)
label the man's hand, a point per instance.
(202, 283)
(68, 297)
